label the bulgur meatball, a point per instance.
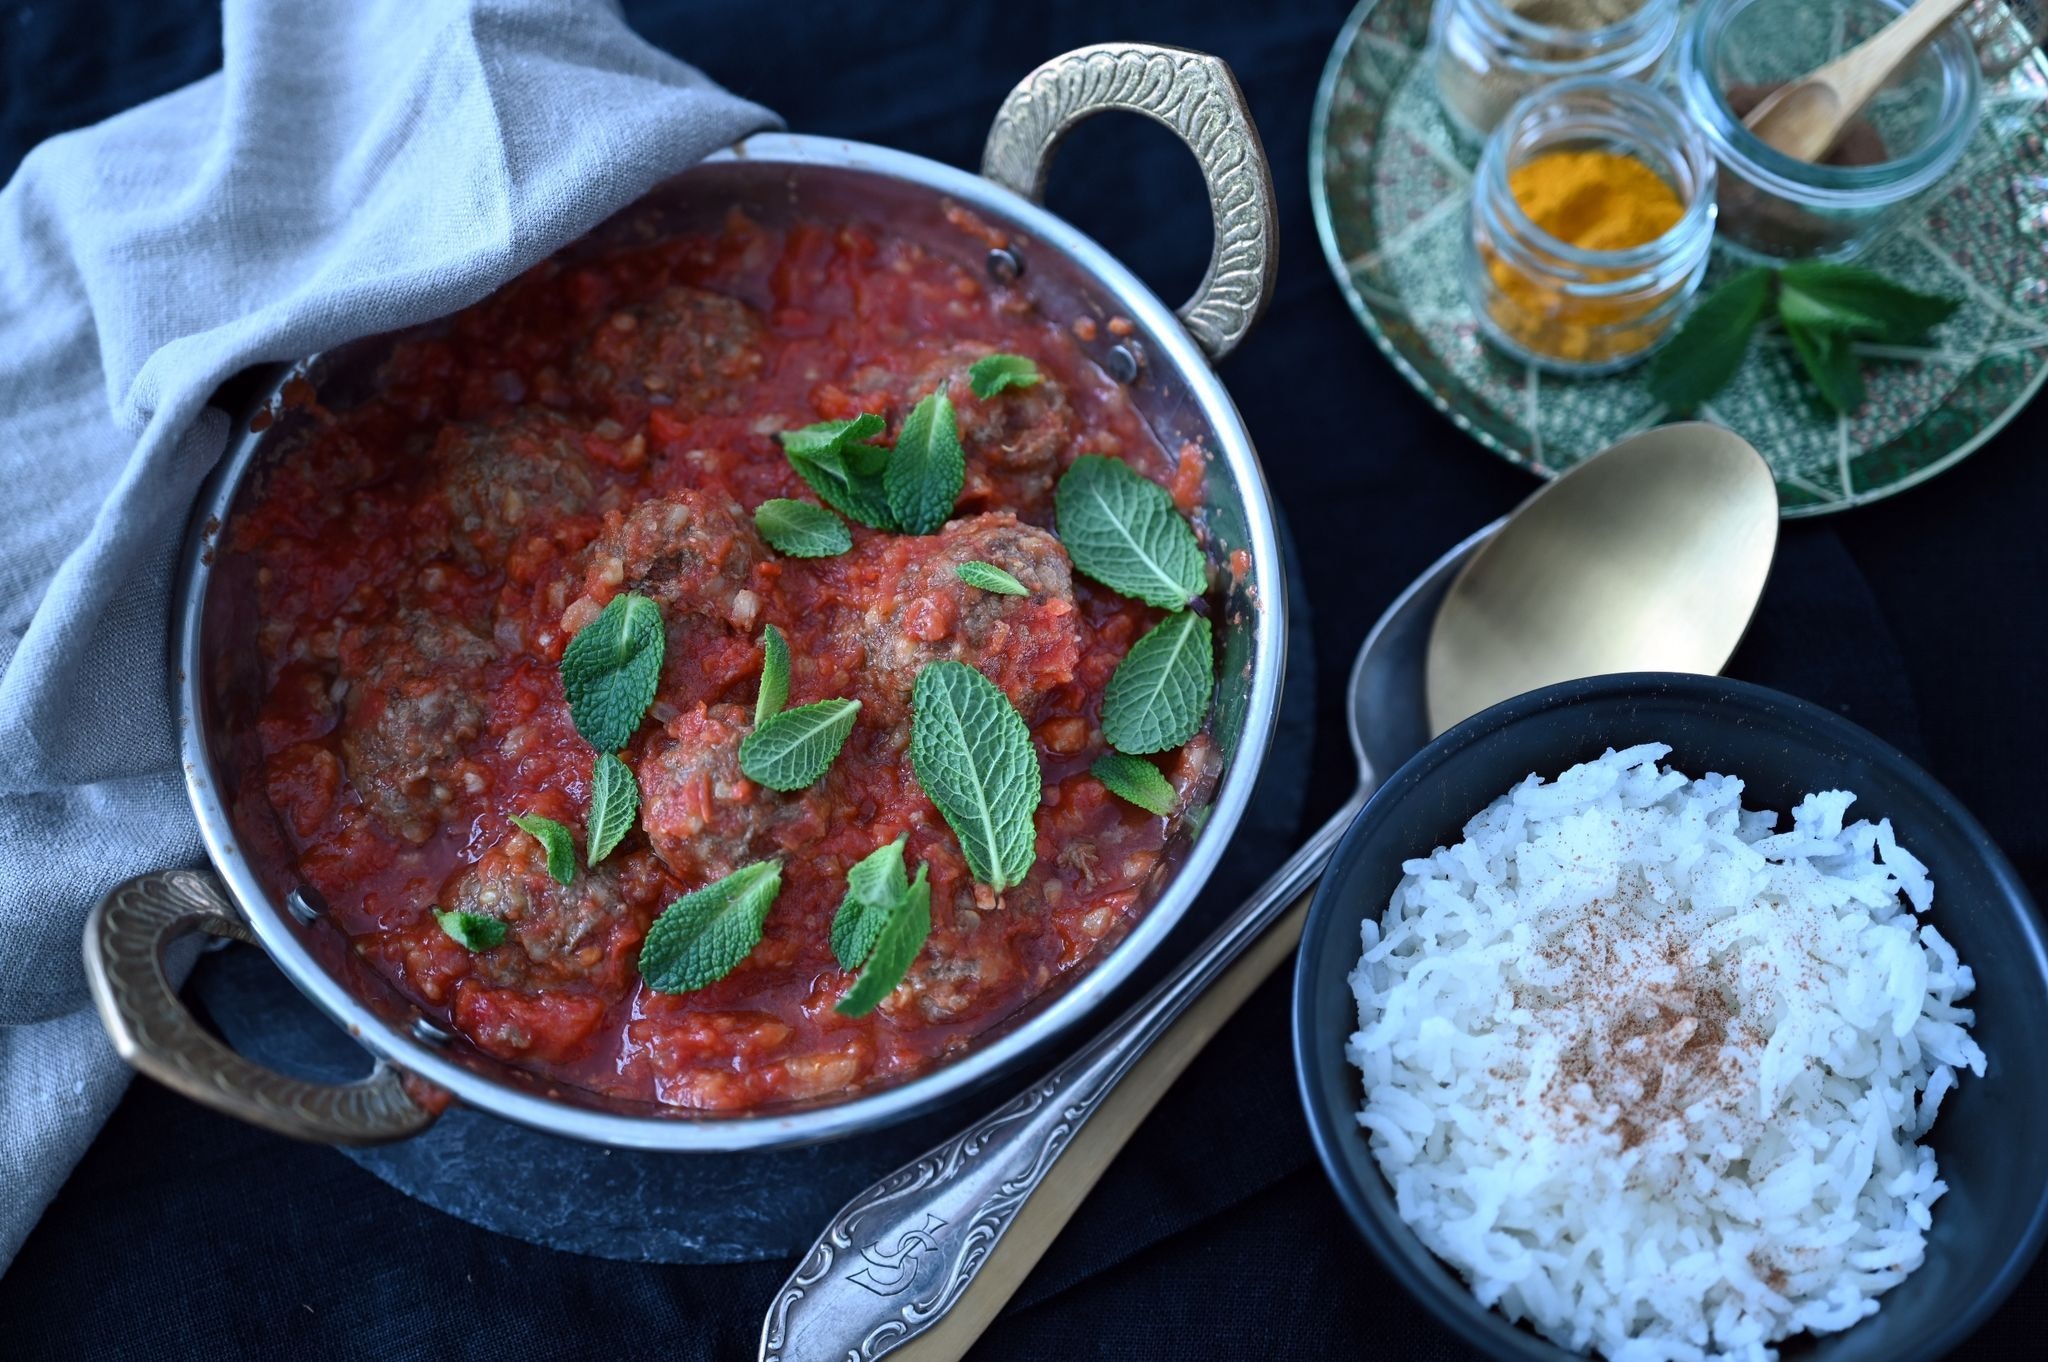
(700, 813)
(414, 705)
(683, 347)
(1017, 433)
(691, 551)
(921, 611)
(497, 483)
(582, 932)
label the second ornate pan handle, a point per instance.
(1196, 96)
(150, 1028)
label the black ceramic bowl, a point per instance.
(1989, 1226)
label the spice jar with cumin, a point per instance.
(1486, 54)
(1592, 217)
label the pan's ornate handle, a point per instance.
(124, 946)
(1197, 97)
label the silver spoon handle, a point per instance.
(900, 1254)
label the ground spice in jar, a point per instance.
(1777, 226)
(1482, 68)
(1594, 200)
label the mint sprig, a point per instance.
(1159, 693)
(793, 749)
(926, 471)
(972, 754)
(1136, 780)
(991, 374)
(875, 884)
(703, 936)
(611, 668)
(554, 839)
(614, 804)
(1823, 308)
(1122, 529)
(471, 931)
(801, 530)
(989, 577)
(904, 928)
(834, 458)
(774, 692)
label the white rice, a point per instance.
(1652, 1078)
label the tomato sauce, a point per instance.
(608, 423)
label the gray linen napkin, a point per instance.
(357, 166)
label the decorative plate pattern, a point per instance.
(1391, 181)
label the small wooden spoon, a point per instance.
(1806, 117)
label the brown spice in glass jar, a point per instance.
(1772, 225)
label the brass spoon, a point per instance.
(1649, 558)
(1806, 117)
(917, 1265)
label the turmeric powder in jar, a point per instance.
(1592, 216)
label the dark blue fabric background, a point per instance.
(186, 1235)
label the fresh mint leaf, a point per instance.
(972, 755)
(802, 530)
(845, 471)
(703, 936)
(774, 692)
(1122, 529)
(610, 670)
(991, 374)
(926, 470)
(1136, 780)
(471, 931)
(1852, 298)
(1699, 360)
(874, 885)
(831, 437)
(1159, 693)
(1830, 363)
(989, 577)
(614, 804)
(900, 937)
(793, 749)
(554, 839)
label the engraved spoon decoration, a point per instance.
(918, 1263)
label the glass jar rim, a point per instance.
(1645, 16)
(1658, 108)
(1882, 181)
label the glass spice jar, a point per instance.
(1486, 54)
(1561, 306)
(1774, 206)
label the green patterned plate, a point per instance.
(1391, 181)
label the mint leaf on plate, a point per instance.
(802, 530)
(1698, 361)
(610, 670)
(875, 884)
(1136, 780)
(792, 749)
(703, 936)
(614, 804)
(471, 931)
(989, 577)
(991, 374)
(1830, 363)
(972, 755)
(926, 470)
(1159, 693)
(1122, 529)
(774, 692)
(897, 941)
(1858, 300)
(554, 839)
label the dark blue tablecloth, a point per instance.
(186, 1235)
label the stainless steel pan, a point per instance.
(1163, 358)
